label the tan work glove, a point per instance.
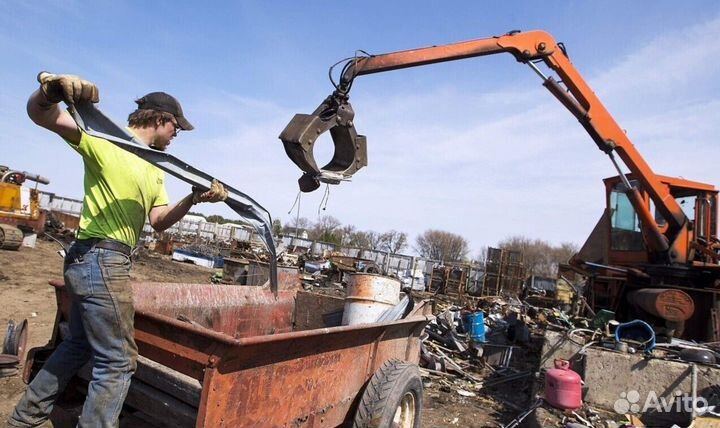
(217, 193)
(67, 87)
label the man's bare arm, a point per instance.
(162, 217)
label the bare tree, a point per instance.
(565, 251)
(298, 223)
(540, 257)
(296, 226)
(441, 245)
(359, 239)
(393, 241)
(326, 229)
(374, 240)
(347, 233)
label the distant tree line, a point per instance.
(539, 257)
(329, 229)
(216, 218)
(441, 245)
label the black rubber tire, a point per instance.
(395, 388)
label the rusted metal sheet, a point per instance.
(669, 304)
(234, 311)
(311, 377)
(317, 311)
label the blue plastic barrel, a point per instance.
(474, 324)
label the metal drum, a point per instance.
(368, 296)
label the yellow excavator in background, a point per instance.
(19, 207)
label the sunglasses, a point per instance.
(177, 127)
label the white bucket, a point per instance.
(368, 296)
(29, 240)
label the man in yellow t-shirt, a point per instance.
(121, 191)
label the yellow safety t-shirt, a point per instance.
(120, 190)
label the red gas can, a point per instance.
(563, 387)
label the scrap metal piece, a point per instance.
(697, 355)
(93, 122)
(398, 311)
(335, 114)
(15, 341)
(516, 422)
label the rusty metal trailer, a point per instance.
(232, 356)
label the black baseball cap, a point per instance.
(161, 101)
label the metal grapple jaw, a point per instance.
(335, 114)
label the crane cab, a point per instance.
(620, 261)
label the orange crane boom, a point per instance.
(668, 242)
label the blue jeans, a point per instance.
(101, 329)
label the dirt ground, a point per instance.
(25, 294)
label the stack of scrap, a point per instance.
(448, 279)
(504, 273)
(449, 347)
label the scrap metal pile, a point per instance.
(489, 348)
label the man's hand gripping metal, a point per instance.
(216, 193)
(68, 88)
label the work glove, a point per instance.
(67, 87)
(216, 193)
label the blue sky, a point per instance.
(476, 147)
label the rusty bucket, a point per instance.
(368, 296)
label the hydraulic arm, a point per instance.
(669, 243)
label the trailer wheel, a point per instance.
(392, 399)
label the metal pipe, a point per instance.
(620, 173)
(537, 70)
(693, 367)
(610, 268)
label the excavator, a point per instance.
(654, 254)
(18, 206)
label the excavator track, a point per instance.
(10, 237)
